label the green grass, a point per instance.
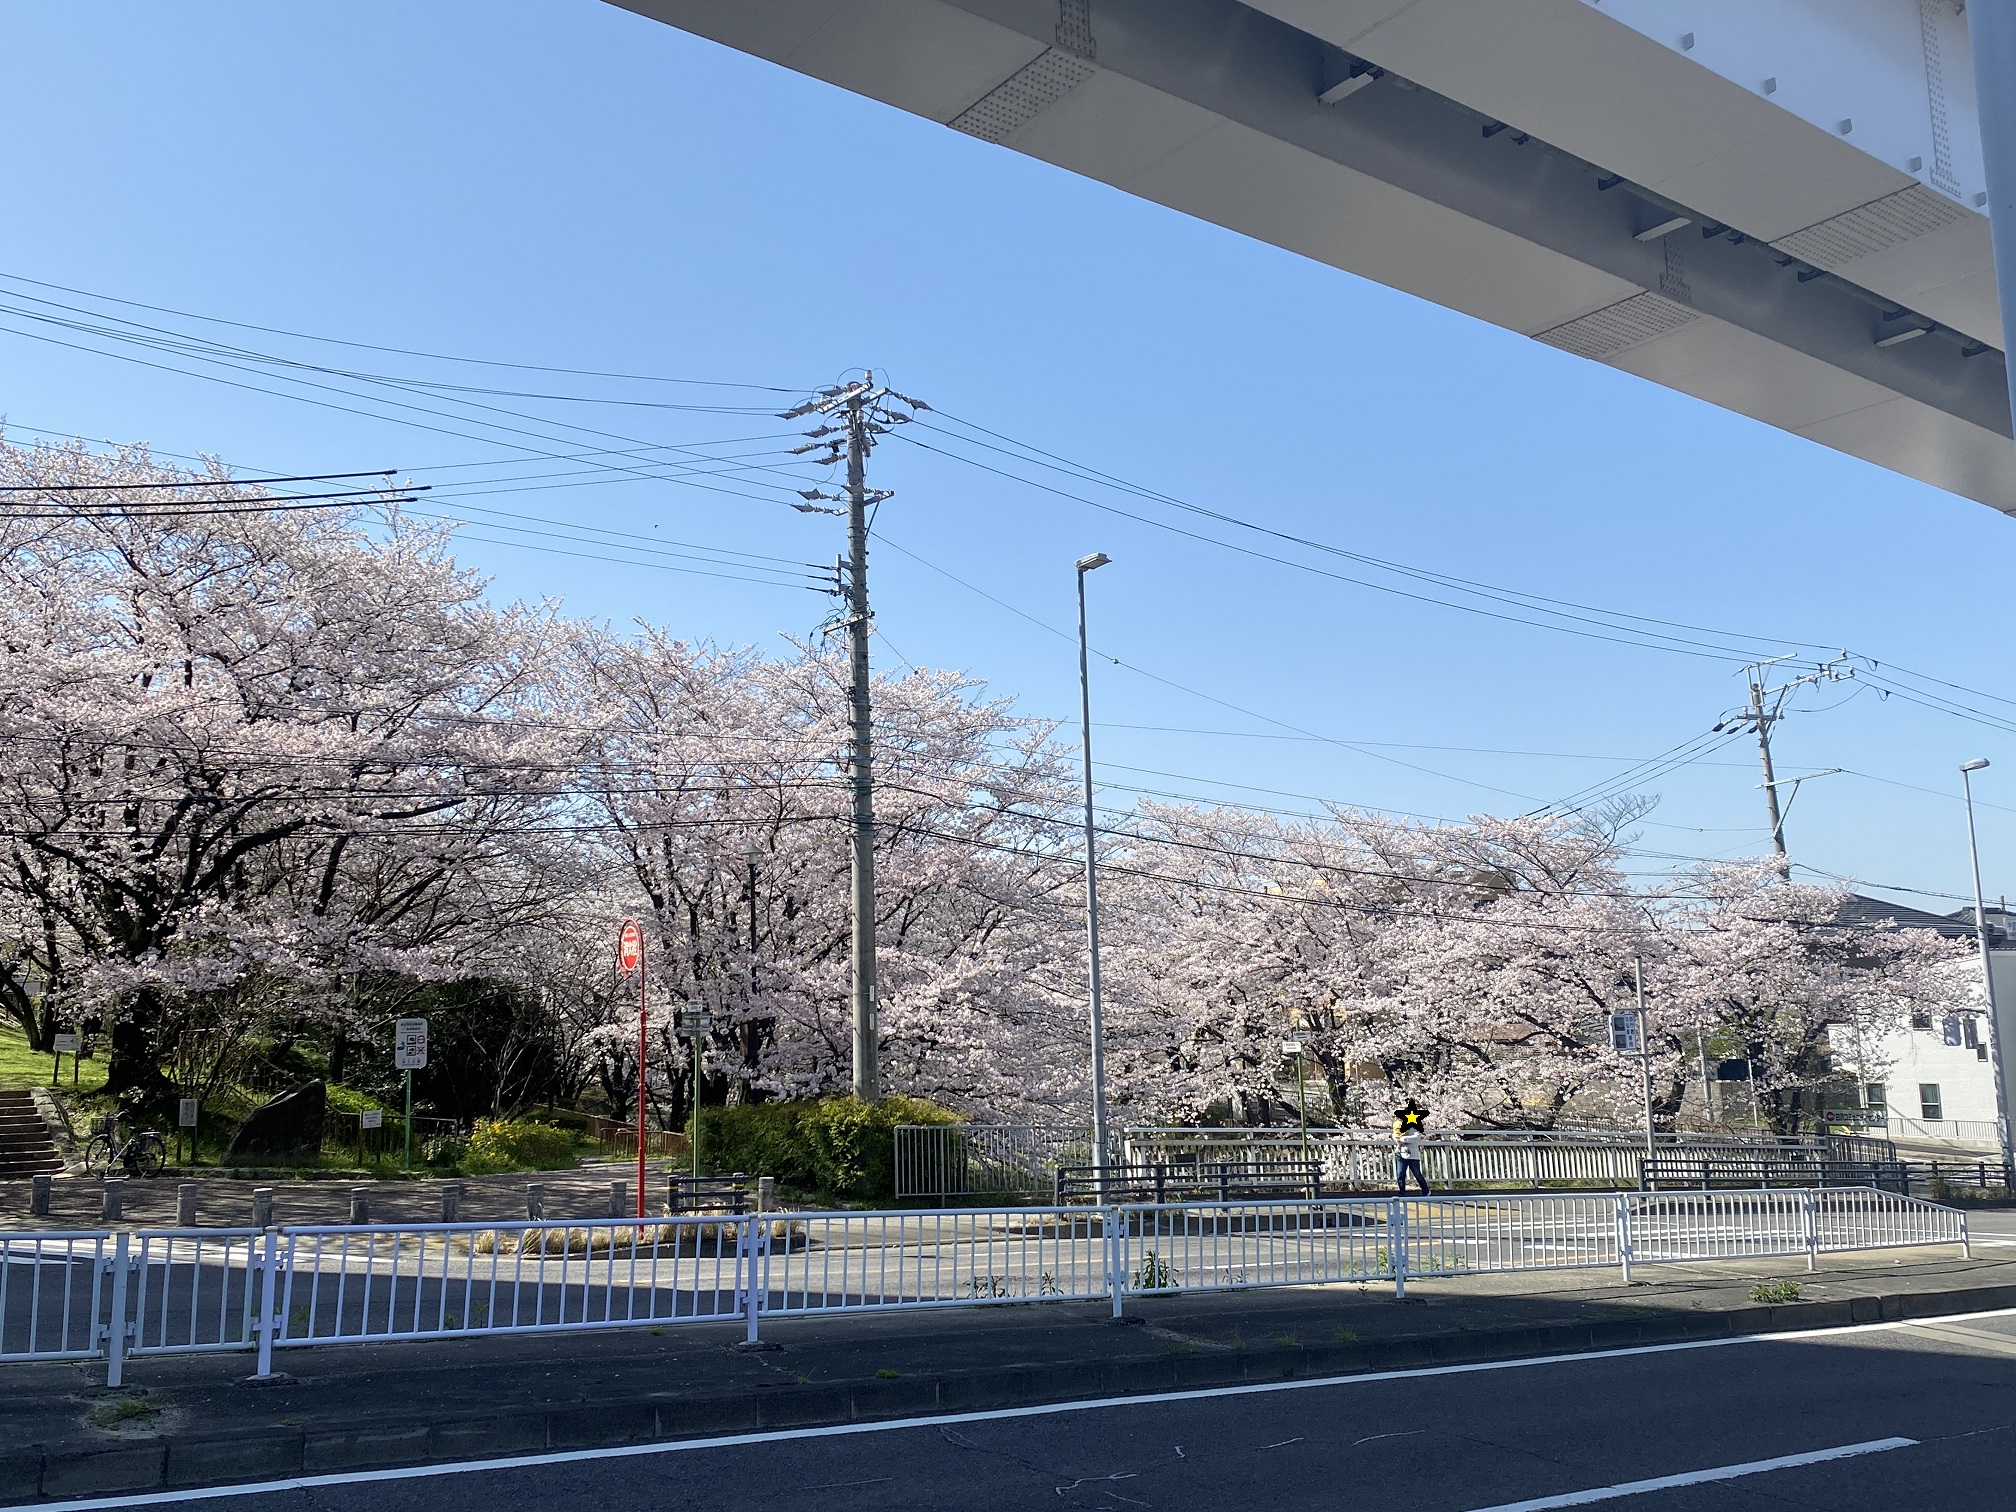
(21, 1067)
(1775, 1291)
(125, 1410)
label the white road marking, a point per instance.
(994, 1415)
(1699, 1477)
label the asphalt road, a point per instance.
(1454, 1440)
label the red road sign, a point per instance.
(630, 946)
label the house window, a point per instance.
(1929, 1106)
(1876, 1098)
(1970, 1033)
(1950, 1029)
(1921, 1021)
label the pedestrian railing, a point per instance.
(1188, 1182)
(1731, 1170)
(51, 1295)
(178, 1291)
(1356, 1160)
(984, 1160)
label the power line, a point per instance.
(399, 351)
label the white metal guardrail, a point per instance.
(52, 1295)
(95, 1295)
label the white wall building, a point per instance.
(1936, 1078)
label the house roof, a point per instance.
(1874, 913)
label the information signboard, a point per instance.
(409, 1045)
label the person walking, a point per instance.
(1408, 1126)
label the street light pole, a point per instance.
(1967, 771)
(1087, 564)
(1644, 1051)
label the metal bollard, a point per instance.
(451, 1202)
(115, 1198)
(535, 1201)
(360, 1204)
(262, 1207)
(766, 1194)
(619, 1199)
(38, 1195)
(185, 1204)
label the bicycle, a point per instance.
(142, 1154)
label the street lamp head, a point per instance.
(1975, 765)
(1097, 559)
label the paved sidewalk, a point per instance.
(77, 1202)
(191, 1420)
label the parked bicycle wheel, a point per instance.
(98, 1154)
(146, 1153)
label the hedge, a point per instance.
(840, 1146)
(513, 1144)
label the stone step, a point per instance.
(15, 1170)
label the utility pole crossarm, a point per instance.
(1760, 718)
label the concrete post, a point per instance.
(535, 1201)
(185, 1204)
(619, 1199)
(115, 1198)
(766, 1194)
(451, 1202)
(38, 1195)
(262, 1207)
(360, 1204)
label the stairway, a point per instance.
(25, 1146)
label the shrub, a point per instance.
(509, 1144)
(838, 1145)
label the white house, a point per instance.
(1935, 1079)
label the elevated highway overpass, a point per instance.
(1778, 206)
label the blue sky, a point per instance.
(561, 183)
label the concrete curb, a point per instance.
(38, 1473)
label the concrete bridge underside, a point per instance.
(1778, 206)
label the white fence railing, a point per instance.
(72, 1296)
(948, 1161)
(984, 1160)
(1355, 1160)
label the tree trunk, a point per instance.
(133, 1066)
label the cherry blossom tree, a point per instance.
(717, 778)
(1763, 966)
(244, 736)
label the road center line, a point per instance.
(1699, 1477)
(993, 1415)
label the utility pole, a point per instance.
(861, 755)
(863, 412)
(1762, 723)
(1766, 708)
